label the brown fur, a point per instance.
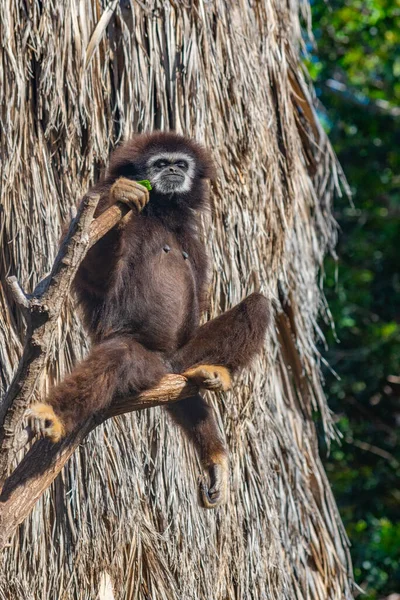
(142, 305)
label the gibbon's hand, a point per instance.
(135, 195)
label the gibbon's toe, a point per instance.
(210, 377)
(215, 493)
(45, 422)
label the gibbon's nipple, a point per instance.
(167, 249)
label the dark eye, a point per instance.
(160, 164)
(182, 164)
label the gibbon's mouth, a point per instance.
(174, 177)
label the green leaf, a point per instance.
(146, 183)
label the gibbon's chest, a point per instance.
(149, 246)
(157, 289)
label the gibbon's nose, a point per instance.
(173, 169)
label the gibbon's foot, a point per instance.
(210, 377)
(135, 195)
(45, 422)
(214, 493)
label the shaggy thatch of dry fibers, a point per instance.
(76, 78)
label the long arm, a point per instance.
(94, 273)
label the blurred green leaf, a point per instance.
(356, 71)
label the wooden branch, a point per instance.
(107, 221)
(45, 460)
(42, 310)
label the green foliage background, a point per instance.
(355, 65)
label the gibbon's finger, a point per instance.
(35, 424)
(119, 183)
(143, 192)
(45, 422)
(131, 199)
(140, 187)
(132, 186)
(125, 189)
(142, 199)
(130, 193)
(122, 186)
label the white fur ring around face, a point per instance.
(171, 172)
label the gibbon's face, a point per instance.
(171, 172)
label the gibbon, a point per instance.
(142, 289)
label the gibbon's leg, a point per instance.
(117, 366)
(226, 344)
(218, 349)
(197, 419)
